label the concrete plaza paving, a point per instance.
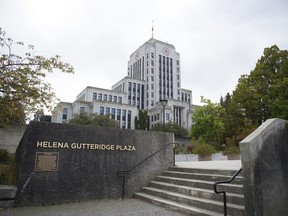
(126, 207)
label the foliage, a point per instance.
(264, 93)
(7, 168)
(141, 122)
(231, 150)
(232, 146)
(203, 149)
(189, 148)
(209, 123)
(94, 120)
(4, 156)
(172, 128)
(22, 88)
(40, 116)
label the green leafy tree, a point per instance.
(94, 120)
(172, 128)
(209, 123)
(22, 88)
(141, 121)
(264, 93)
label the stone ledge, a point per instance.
(7, 195)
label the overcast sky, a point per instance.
(218, 40)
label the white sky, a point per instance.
(218, 40)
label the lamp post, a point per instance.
(163, 103)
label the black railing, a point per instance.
(123, 173)
(223, 192)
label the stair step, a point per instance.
(198, 192)
(210, 205)
(202, 176)
(207, 171)
(201, 184)
(184, 208)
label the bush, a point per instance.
(204, 149)
(4, 156)
(7, 174)
(7, 168)
(231, 150)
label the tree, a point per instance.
(172, 128)
(264, 93)
(22, 89)
(209, 123)
(40, 116)
(141, 122)
(94, 120)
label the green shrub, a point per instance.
(7, 174)
(4, 156)
(231, 150)
(204, 149)
(7, 168)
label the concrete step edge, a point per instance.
(196, 188)
(196, 180)
(177, 206)
(214, 202)
(239, 178)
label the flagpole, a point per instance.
(152, 28)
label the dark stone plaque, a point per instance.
(61, 163)
(46, 161)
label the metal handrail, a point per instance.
(223, 192)
(125, 172)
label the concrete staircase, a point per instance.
(190, 191)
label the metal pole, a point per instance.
(163, 115)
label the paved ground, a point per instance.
(127, 207)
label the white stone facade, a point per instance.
(154, 74)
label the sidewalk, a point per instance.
(126, 207)
(217, 164)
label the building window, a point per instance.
(107, 110)
(167, 116)
(129, 119)
(115, 99)
(99, 96)
(65, 114)
(123, 118)
(118, 117)
(101, 110)
(110, 98)
(113, 113)
(152, 70)
(152, 63)
(105, 97)
(119, 99)
(177, 62)
(82, 110)
(94, 96)
(152, 55)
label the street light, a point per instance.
(163, 103)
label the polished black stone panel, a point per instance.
(60, 163)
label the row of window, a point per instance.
(121, 115)
(105, 97)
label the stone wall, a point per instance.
(265, 169)
(58, 163)
(10, 138)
